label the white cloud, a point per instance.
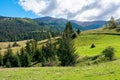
(74, 9)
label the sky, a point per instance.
(80, 10)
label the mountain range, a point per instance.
(13, 28)
(50, 22)
(60, 22)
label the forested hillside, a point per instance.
(15, 29)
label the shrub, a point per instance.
(109, 53)
(15, 44)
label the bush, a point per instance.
(109, 53)
(15, 44)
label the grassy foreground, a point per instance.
(103, 71)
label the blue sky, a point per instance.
(80, 10)
(11, 8)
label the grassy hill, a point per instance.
(103, 71)
(101, 41)
(4, 45)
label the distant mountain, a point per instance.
(12, 28)
(58, 23)
(90, 24)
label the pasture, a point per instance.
(101, 41)
(102, 71)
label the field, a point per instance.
(4, 45)
(101, 41)
(102, 71)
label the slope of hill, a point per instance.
(103, 71)
(101, 41)
(14, 29)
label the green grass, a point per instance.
(102, 71)
(101, 41)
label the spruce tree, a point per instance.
(24, 58)
(33, 49)
(8, 64)
(49, 53)
(78, 31)
(66, 49)
(38, 57)
(8, 56)
(28, 48)
(112, 24)
(68, 31)
(16, 61)
(1, 60)
(27, 60)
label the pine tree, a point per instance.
(8, 64)
(8, 55)
(28, 48)
(33, 49)
(78, 31)
(66, 49)
(1, 60)
(49, 53)
(112, 24)
(38, 57)
(27, 60)
(16, 61)
(68, 31)
(24, 58)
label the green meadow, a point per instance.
(102, 71)
(101, 41)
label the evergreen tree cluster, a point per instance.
(51, 53)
